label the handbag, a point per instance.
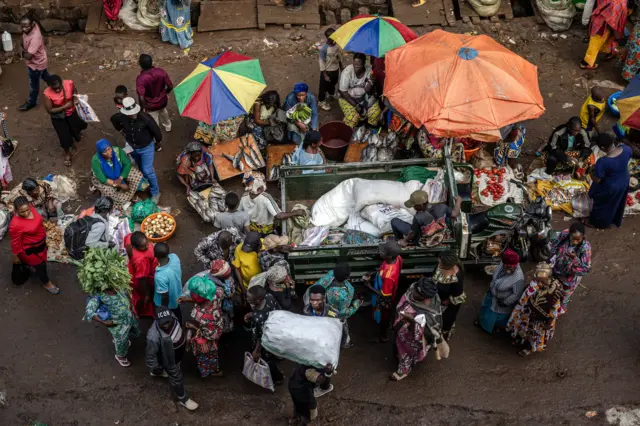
(20, 273)
(257, 372)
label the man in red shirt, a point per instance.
(153, 85)
(35, 58)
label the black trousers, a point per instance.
(449, 317)
(328, 86)
(303, 400)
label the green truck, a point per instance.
(310, 263)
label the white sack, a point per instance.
(313, 341)
(368, 192)
(358, 223)
(334, 207)
(436, 188)
(380, 215)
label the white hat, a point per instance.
(129, 106)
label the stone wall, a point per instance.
(340, 11)
(55, 16)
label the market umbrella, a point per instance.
(220, 88)
(458, 85)
(373, 35)
(628, 104)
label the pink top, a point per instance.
(33, 44)
(60, 98)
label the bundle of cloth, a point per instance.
(561, 192)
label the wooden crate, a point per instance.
(269, 13)
(275, 153)
(228, 15)
(223, 166)
(468, 13)
(433, 12)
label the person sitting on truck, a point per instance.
(340, 296)
(261, 206)
(430, 219)
(384, 284)
(309, 153)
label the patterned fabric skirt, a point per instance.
(120, 197)
(222, 131)
(631, 64)
(263, 230)
(352, 118)
(526, 330)
(410, 350)
(208, 363)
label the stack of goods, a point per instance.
(379, 148)
(494, 186)
(208, 203)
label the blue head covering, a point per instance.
(110, 171)
(300, 87)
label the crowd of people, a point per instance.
(247, 275)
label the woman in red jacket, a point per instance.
(29, 241)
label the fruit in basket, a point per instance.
(159, 226)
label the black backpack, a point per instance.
(75, 236)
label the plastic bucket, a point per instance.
(335, 140)
(611, 103)
(468, 153)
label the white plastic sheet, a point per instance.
(313, 341)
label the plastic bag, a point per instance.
(86, 113)
(368, 192)
(581, 205)
(257, 372)
(4, 222)
(315, 236)
(313, 341)
(64, 188)
(334, 207)
(358, 223)
(436, 189)
(142, 209)
(380, 215)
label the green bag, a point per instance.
(416, 173)
(142, 209)
(202, 286)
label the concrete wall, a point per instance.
(56, 16)
(340, 11)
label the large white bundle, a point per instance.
(380, 215)
(368, 192)
(358, 223)
(557, 14)
(334, 207)
(313, 341)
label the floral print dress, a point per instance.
(119, 307)
(569, 270)
(204, 344)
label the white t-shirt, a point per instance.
(353, 85)
(261, 209)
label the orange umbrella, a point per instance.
(456, 85)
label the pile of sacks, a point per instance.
(370, 205)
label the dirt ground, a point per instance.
(57, 369)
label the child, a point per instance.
(385, 286)
(301, 388)
(142, 267)
(246, 260)
(121, 93)
(168, 279)
(233, 218)
(330, 66)
(592, 110)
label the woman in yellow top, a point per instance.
(593, 109)
(246, 261)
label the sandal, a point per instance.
(395, 377)
(53, 290)
(67, 162)
(588, 67)
(123, 361)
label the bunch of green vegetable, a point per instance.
(302, 113)
(103, 269)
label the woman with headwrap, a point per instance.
(418, 326)
(209, 324)
(262, 208)
(533, 321)
(195, 167)
(222, 275)
(571, 260)
(112, 173)
(504, 292)
(301, 109)
(219, 245)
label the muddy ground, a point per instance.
(59, 370)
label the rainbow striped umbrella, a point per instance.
(220, 88)
(628, 104)
(373, 35)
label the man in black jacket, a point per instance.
(166, 345)
(143, 134)
(566, 138)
